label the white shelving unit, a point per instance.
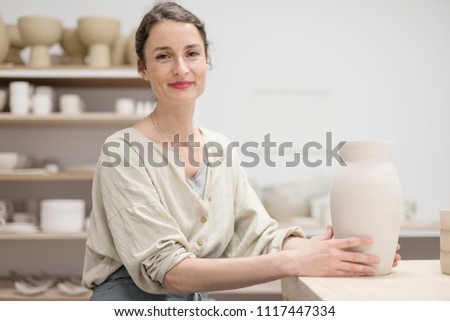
(73, 76)
(58, 250)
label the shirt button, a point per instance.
(210, 199)
(200, 242)
(203, 219)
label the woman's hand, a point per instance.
(324, 256)
(329, 234)
(397, 257)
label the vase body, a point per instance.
(366, 199)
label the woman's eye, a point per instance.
(162, 56)
(193, 54)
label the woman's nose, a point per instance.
(180, 68)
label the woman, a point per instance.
(171, 222)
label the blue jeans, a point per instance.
(119, 286)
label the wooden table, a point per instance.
(419, 280)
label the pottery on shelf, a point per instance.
(445, 241)
(73, 47)
(98, 34)
(119, 50)
(40, 33)
(366, 199)
(16, 45)
(4, 41)
(131, 51)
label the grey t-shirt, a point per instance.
(198, 181)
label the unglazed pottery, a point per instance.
(40, 33)
(445, 262)
(119, 50)
(98, 34)
(366, 199)
(4, 40)
(73, 47)
(16, 45)
(445, 241)
(445, 220)
(131, 51)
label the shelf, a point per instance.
(9, 293)
(73, 76)
(63, 176)
(57, 119)
(69, 236)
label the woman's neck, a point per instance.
(172, 120)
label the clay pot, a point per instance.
(16, 45)
(131, 50)
(40, 33)
(4, 40)
(119, 50)
(366, 199)
(445, 241)
(98, 34)
(73, 47)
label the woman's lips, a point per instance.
(181, 84)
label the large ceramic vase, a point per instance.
(366, 199)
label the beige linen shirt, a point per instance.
(146, 217)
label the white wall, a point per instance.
(385, 62)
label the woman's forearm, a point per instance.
(318, 256)
(198, 275)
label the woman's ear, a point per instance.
(142, 70)
(144, 74)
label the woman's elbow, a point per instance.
(174, 284)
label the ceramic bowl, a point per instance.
(62, 215)
(14, 36)
(39, 30)
(9, 161)
(98, 30)
(73, 46)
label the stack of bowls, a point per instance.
(62, 215)
(445, 241)
(19, 97)
(42, 100)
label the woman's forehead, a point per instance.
(169, 33)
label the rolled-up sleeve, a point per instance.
(146, 237)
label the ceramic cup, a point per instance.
(3, 95)
(42, 104)
(6, 207)
(24, 217)
(71, 104)
(125, 106)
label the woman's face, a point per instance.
(175, 62)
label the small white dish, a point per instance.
(19, 227)
(72, 289)
(32, 286)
